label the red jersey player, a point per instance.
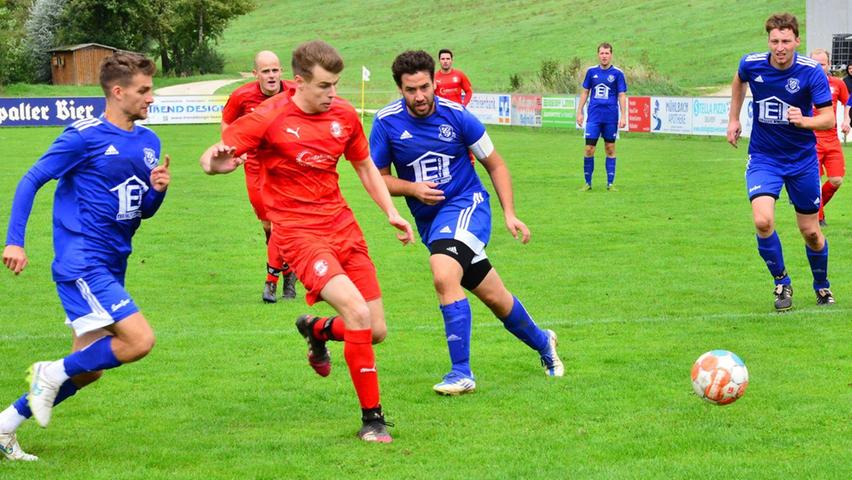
(451, 83)
(829, 151)
(313, 226)
(267, 71)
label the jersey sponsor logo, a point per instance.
(432, 167)
(130, 193)
(595, 76)
(792, 85)
(772, 110)
(150, 157)
(314, 160)
(455, 79)
(817, 202)
(111, 150)
(320, 268)
(405, 135)
(758, 79)
(601, 91)
(610, 78)
(755, 188)
(123, 303)
(294, 132)
(453, 249)
(446, 133)
(446, 229)
(336, 129)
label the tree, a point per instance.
(190, 30)
(40, 30)
(116, 23)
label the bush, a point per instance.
(566, 78)
(207, 60)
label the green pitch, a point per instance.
(637, 284)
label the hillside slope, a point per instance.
(695, 44)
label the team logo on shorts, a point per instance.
(321, 268)
(610, 78)
(336, 129)
(150, 157)
(792, 85)
(446, 133)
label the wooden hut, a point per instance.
(78, 64)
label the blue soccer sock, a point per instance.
(522, 326)
(588, 168)
(610, 170)
(457, 325)
(770, 250)
(819, 265)
(67, 389)
(97, 356)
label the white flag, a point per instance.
(365, 74)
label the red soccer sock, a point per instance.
(828, 191)
(358, 351)
(330, 328)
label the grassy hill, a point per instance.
(694, 44)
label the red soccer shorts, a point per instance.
(830, 155)
(318, 255)
(254, 185)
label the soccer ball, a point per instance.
(720, 377)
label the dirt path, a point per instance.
(207, 87)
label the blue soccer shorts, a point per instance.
(466, 218)
(801, 180)
(96, 300)
(607, 130)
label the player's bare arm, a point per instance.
(622, 102)
(160, 176)
(502, 181)
(823, 118)
(219, 159)
(583, 97)
(425, 192)
(738, 91)
(378, 191)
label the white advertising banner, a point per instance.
(491, 108)
(186, 109)
(671, 115)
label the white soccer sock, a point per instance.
(10, 420)
(55, 372)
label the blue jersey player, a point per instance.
(606, 90)
(110, 178)
(782, 149)
(426, 139)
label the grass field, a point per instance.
(637, 284)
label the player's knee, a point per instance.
(764, 225)
(811, 235)
(356, 315)
(446, 282)
(610, 150)
(590, 150)
(379, 334)
(142, 345)
(836, 181)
